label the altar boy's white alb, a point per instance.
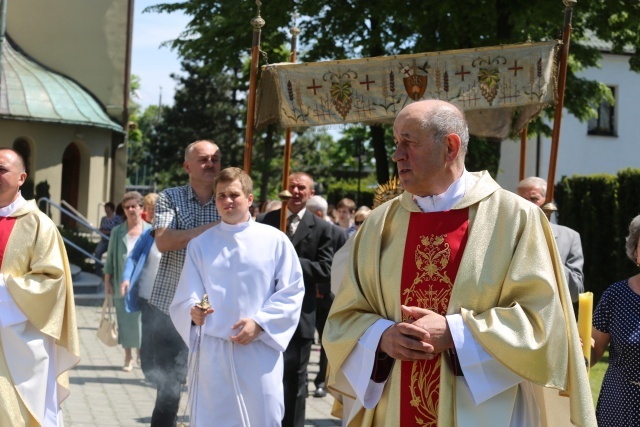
(253, 278)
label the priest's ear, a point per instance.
(453, 144)
(23, 178)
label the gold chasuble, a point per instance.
(435, 243)
(37, 275)
(508, 286)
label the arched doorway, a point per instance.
(70, 181)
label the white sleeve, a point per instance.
(188, 293)
(359, 364)
(10, 313)
(485, 376)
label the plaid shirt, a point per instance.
(177, 208)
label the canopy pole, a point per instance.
(3, 28)
(523, 153)
(257, 23)
(557, 121)
(285, 195)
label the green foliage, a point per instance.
(600, 208)
(617, 22)
(628, 208)
(140, 164)
(206, 107)
(628, 196)
(483, 154)
(596, 375)
(138, 138)
(217, 41)
(349, 188)
(219, 34)
(76, 257)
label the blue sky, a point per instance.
(152, 63)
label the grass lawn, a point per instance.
(596, 375)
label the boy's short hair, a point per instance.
(230, 175)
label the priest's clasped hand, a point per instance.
(405, 341)
(248, 332)
(198, 315)
(435, 325)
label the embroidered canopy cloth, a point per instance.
(499, 88)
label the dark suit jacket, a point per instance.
(338, 239)
(313, 245)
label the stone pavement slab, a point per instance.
(104, 395)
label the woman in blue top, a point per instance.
(616, 322)
(138, 277)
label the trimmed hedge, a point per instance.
(600, 208)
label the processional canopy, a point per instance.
(500, 89)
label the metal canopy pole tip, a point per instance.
(548, 207)
(285, 195)
(257, 23)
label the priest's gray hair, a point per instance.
(534, 181)
(632, 239)
(446, 119)
(317, 203)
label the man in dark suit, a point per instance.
(318, 206)
(311, 237)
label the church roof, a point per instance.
(31, 92)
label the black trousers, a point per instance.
(322, 313)
(296, 359)
(146, 345)
(170, 356)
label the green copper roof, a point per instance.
(29, 91)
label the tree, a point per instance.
(218, 40)
(206, 106)
(218, 35)
(142, 129)
(140, 165)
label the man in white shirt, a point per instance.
(253, 280)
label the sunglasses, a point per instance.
(359, 222)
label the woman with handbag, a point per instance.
(139, 274)
(123, 239)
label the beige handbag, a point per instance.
(108, 329)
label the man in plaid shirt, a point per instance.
(182, 213)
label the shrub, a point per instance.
(600, 208)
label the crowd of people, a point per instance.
(448, 305)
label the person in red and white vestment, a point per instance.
(454, 309)
(38, 333)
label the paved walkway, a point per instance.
(103, 395)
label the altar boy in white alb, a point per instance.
(253, 278)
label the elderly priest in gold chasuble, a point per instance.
(454, 310)
(38, 334)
